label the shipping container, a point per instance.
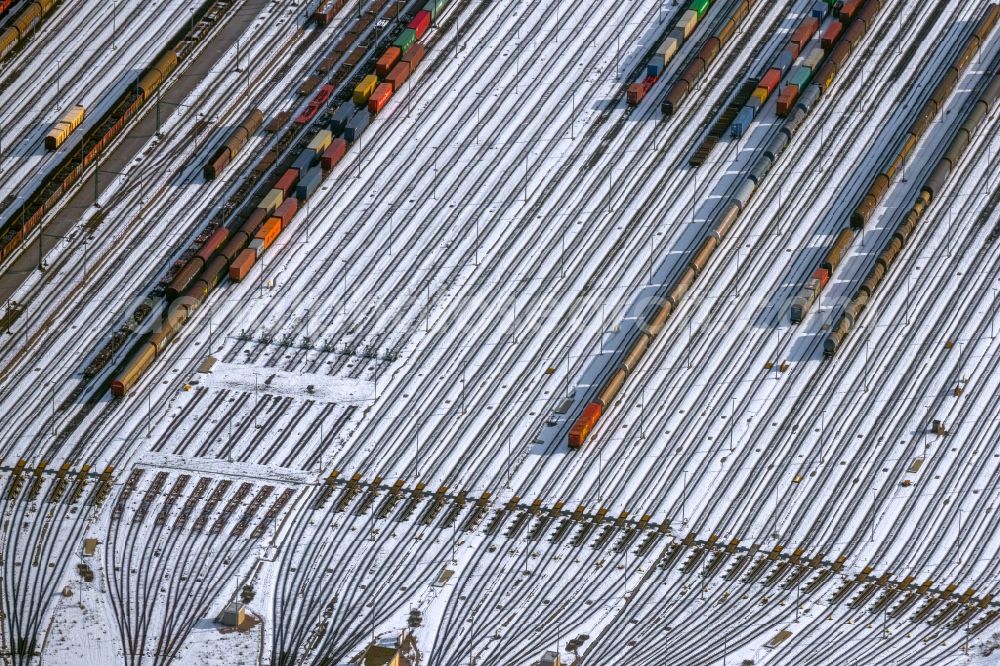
(305, 160)
(272, 200)
(269, 231)
(397, 77)
(823, 275)
(414, 56)
(309, 183)
(742, 122)
(848, 9)
(786, 100)
(364, 89)
(688, 22)
(831, 34)
(799, 76)
(784, 61)
(770, 81)
(700, 6)
(388, 60)
(820, 9)
(287, 181)
(635, 93)
(805, 32)
(340, 117)
(357, 125)
(664, 54)
(333, 154)
(814, 58)
(379, 98)
(759, 94)
(62, 129)
(240, 266)
(420, 23)
(286, 211)
(406, 39)
(320, 142)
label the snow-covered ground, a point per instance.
(392, 386)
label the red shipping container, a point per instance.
(240, 266)
(770, 80)
(269, 231)
(388, 60)
(831, 34)
(333, 154)
(636, 92)
(848, 10)
(286, 211)
(397, 77)
(379, 98)
(578, 433)
(786, 100)
(794, 49)
(414, 55)
(420, 22)
(822, 275)
(804, 32)
(287, 181)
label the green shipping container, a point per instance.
(700, 6)
(800, 76)
(431, 8)
(406, 39)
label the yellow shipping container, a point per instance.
(364, 90)
(761, 94)
(321, 141)
(688, 22)
(272, 200)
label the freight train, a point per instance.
(810, 291)
(709, 52)
(29, 17)
(83, 155)
(657, 319)
(930, 189)
(233, 253)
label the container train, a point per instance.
(709, 51)
(233, 253)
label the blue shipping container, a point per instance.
(308, 185)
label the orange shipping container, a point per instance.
(786, 100)
(269, 231)
(379, 98)
(240, 266)
(388, 60)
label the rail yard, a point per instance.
(456, 332)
